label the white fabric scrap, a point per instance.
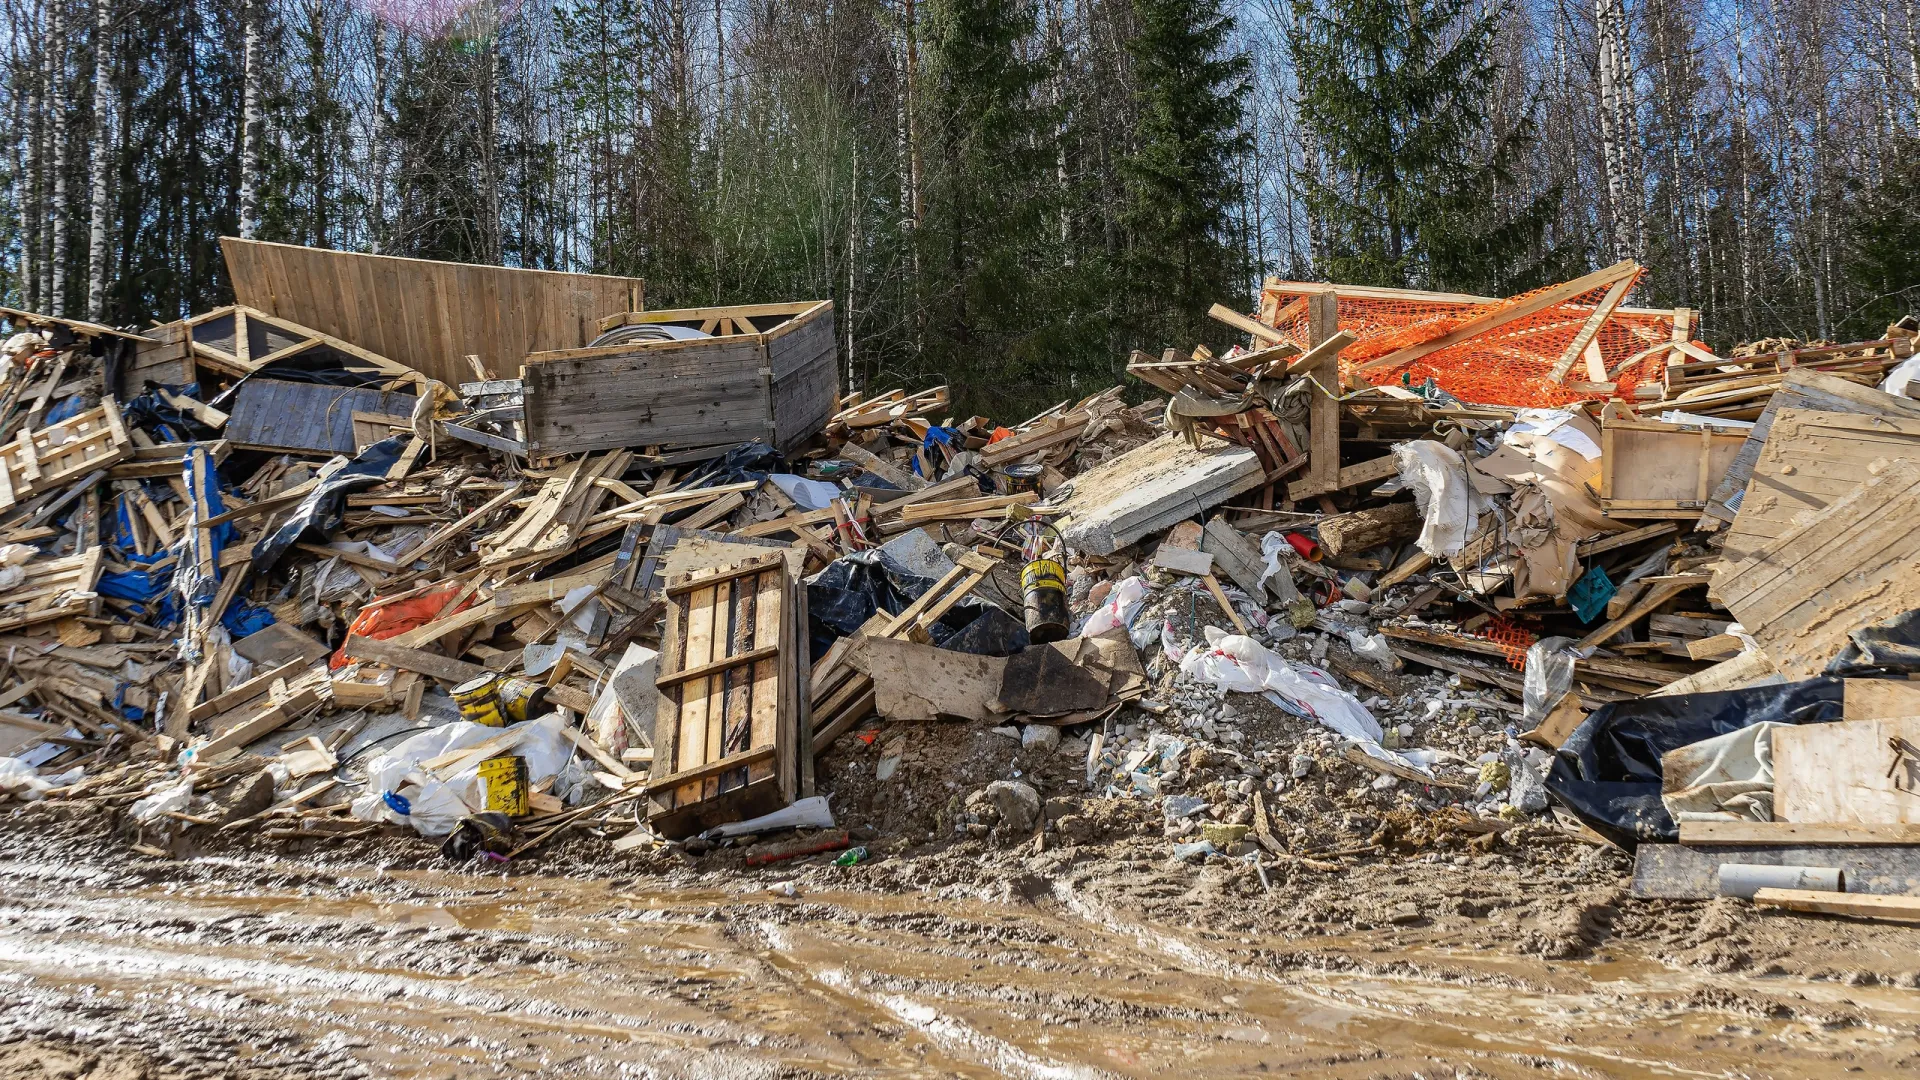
(1446, 496)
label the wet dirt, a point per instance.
(253, 964)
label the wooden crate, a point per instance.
(733, 698)
(769, 371)
(54, 456)
(53, 589)
(1654, 470)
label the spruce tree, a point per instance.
(1415, 188)
(1181, 179)
(985, 243)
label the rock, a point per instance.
(1223, 836)
(1018, 804)
(1174, 807)
(1402, 914)
(1008, 731)
(1525, 790)
(1193, 852)
(1058, 807)
(247, 796)
(1040, 737)
(1078, 828)
(696, 845)
(1302, 765)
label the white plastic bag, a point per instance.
(170, 800)
(1123, 603)
(1373, 647)
(1448, 501)
(21, 780)
(1234, 662)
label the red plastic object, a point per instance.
(1308, 549)
(392, 620)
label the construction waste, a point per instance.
(1406, 571)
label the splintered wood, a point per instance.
(732, 698)
(1854, 565)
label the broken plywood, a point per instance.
(1810, 461)
(1150, 488)
(1854, 565)
(1851, 771)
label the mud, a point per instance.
(349, 958)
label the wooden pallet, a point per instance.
(733, 699)
(54, 456)
(53, 589)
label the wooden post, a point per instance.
(1323, 416)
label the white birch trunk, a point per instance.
(57, 205)
(30, 202)
(1913, 54)
(250, 119)
(102, 139)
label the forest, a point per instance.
(1008, 195)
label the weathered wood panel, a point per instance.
(304, 416)
(427, 315)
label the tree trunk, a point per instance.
(57, 204)
(1350, 534)
(102, 128)
(31, 187)
(250, 119)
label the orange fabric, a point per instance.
(1508, 365)
(392, 620)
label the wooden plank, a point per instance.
(1258, 330)
(427, 663)
(1499, 317)
(1764, 833)
(1323, 411)
(1802, 388)
(1876, 699)
(1811, 460)
(261, 725)
(1884, 908)
(1586, 334)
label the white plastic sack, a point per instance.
(1448, 501)
(21, 780)
(1373, 647)
(1902, 378)
(436, 804)
(1275, 547)
(1123, 603)
(806, 494)
(1234, 662)
(170, 800)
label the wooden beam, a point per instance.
(427, 663)
(1793, 833)
(1589, 329)
(1259, 331)
(1858, 905)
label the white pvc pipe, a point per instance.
(1745, 879)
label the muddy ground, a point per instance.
(967, 957)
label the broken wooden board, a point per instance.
(269, 414)
(654, 570)
(914, 681)
(1847, 772)
(1802, 388)
(1764, 833)
(1812, 460)
(1856, 564)
(53, 589)
(277, 644)
(1150, 488)
(1692, 872)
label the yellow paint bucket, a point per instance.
(479, 701)
(504, 779)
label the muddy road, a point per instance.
(265, 967)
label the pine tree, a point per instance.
(1181, 178)
(1415, 188)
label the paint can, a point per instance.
(1043, 586)
(479, 701)
(503, 779)
(1015, 479)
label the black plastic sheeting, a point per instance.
(1888, 648)
(748, 461)
(854, 587)
(1608, 770)
(324, 508)
(149, 412)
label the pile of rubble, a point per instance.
(1334, 594)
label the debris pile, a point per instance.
(1335, 594)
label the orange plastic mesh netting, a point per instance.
(1512, 360)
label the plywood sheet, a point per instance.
(1803, 388)
(1152, 487)
(425, 314)
(1846, 772)
(1874, 699)
(1853, 565)
(1810, 461)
